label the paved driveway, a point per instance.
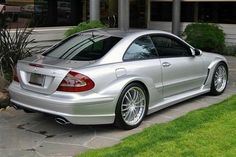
(34, 135)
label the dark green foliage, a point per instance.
(84, 26)
(208, 37)
(13, 47)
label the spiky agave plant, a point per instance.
(13, 47)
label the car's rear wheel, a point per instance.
(220, 79)
(131, 107)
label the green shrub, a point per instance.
(13, 47)
(84, 26)
(208, 37)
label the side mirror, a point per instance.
(197, 52)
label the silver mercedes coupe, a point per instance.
(111, 76)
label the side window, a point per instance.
(141, 48)
(170, 47)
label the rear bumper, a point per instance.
(77, 108)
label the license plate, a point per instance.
(37, 79)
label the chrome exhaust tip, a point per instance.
(15, 107)
(62, 121)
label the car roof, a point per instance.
(122, 33)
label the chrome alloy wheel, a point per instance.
(220, 78)
(133, 106)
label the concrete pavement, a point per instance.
(37, 135)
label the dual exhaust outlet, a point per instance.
(59, 120)
(62, 121)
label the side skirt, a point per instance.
(169, 101)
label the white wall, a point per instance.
(45, 37)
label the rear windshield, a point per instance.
(83, 47)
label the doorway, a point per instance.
(138, 14)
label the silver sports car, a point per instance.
(111, 76)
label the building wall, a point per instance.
(229, 29)
(71, 12)
(45, 37)
(196, 0)
(44, 13)
(221, 12)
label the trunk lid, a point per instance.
(44, 74)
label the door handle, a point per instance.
(166, 64)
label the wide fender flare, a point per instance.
(211, 70)
(117, 86)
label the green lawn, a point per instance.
(205, 132)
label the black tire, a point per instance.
(214, 90)
(119, 120)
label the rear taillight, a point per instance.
(75, 82)
(15, 77)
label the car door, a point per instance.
(182, 71)
(141, 60)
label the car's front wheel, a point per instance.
(131, 107)
(220, 79)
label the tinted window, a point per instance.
(141, 48)
(170, 47)
(83, 47)
(217, 12)
(161, 11)
(214, 12)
